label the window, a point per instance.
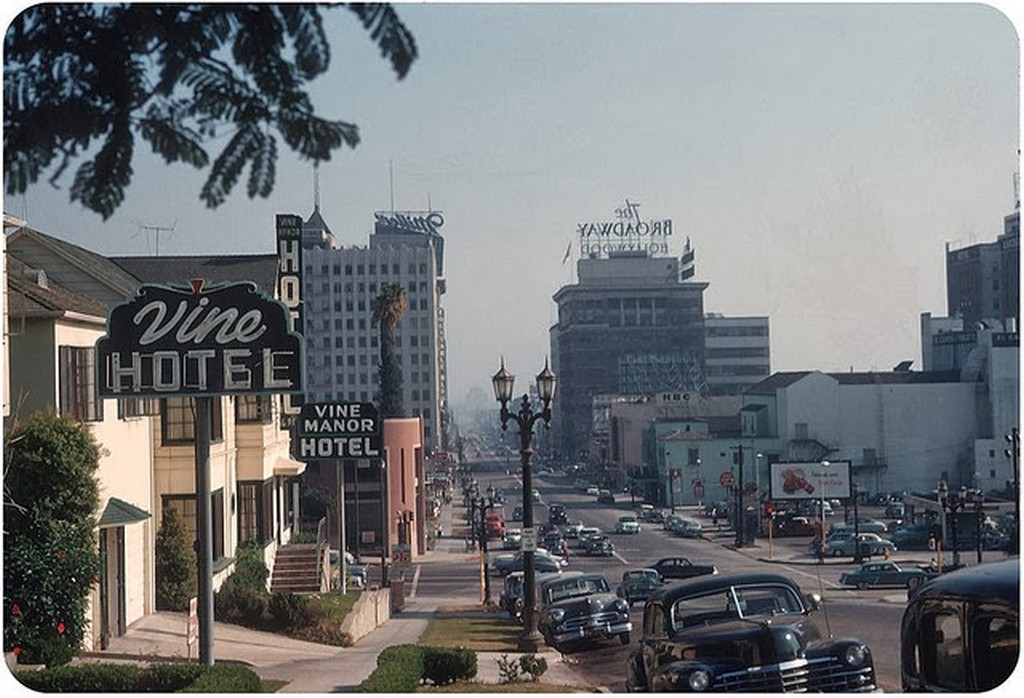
(255, 408)
(178, 424)
(131, 407)
(943, 661)
(185, 505)
(78, 396)
(255, 511)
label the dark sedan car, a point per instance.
(681, 568)
(638, 585)
(579, 606)
(749, 632)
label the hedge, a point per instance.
(402, 668)
(133, 678)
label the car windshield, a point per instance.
(641, 576)
(735, 602)
(580, 586)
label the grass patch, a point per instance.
(482, 633)
(335, 606)
(272, 685)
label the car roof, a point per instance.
(999, 580)
(686, 587)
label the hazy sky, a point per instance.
(819, 158)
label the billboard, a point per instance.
(810, 480)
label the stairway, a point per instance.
(297, 569)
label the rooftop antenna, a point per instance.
(316, 187)
(157, 229)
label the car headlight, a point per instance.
(621, 605)
(556, 615)
(699, 680)
(856, 655)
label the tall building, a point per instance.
(983, 280)
(631, 325)
(737, 353)
(342, 342)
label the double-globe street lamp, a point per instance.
(526, 417)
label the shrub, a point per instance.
(291, 610)
(226, 678)
(323, 631)
(50, 553)
(168, 678)
(84, 678)
(235, 603)
(508, 669)
(445, 665)
(177, 578)
(399, 670)
(250, 570)
(533, 665)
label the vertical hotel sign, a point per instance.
(289, 289)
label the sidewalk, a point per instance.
(310, 667)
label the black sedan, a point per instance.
(681, 568)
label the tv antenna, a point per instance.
(157, 229)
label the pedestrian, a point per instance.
(714, 517)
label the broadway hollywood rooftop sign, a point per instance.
(225, 339)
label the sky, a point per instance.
(818, 157)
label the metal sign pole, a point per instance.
(341, 526)
(204, 527)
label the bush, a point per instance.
(399, 670)
(177, 578)
(291, 610)
(533, 665)
(445, 665)
(84, 678)
(168, 678)
(250, 570)
(508, 669)
(235, 603)
(226, 678)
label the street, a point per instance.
(872, 615)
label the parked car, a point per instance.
(886, 573)
(605, 497)
(494, 524)
(681, 568)
(358, 576)
(511, 598)
(960, 632)
(912, 537)
(599, 546)
(517, 513)
(581, 607)
(572, 528)
(869, 544)
(742, 632)
(865, 525)
(895, 510)
(638, 585)
(593, 489)
(627, 524)
(795, 526)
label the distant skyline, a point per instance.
(818, 157)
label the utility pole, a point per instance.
(741, 514)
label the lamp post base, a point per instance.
(531, 643)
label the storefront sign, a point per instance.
(425, 222)
(196, 341)
(289, 287)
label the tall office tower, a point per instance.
(342, 342)
(737, 353)
(631, 325)
(983, 280)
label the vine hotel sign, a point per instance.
(197, 341)
(628, 233)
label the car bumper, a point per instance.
(593, 630)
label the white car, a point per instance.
(593, 489)
(627, 524)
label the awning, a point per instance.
(286, 467)
(119, 512)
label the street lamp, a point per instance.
(953, 503)
(484, 504)
(503, 383)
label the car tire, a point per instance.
(836, 552)
(863, 585)
(624, 638)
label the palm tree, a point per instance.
(388, 308)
